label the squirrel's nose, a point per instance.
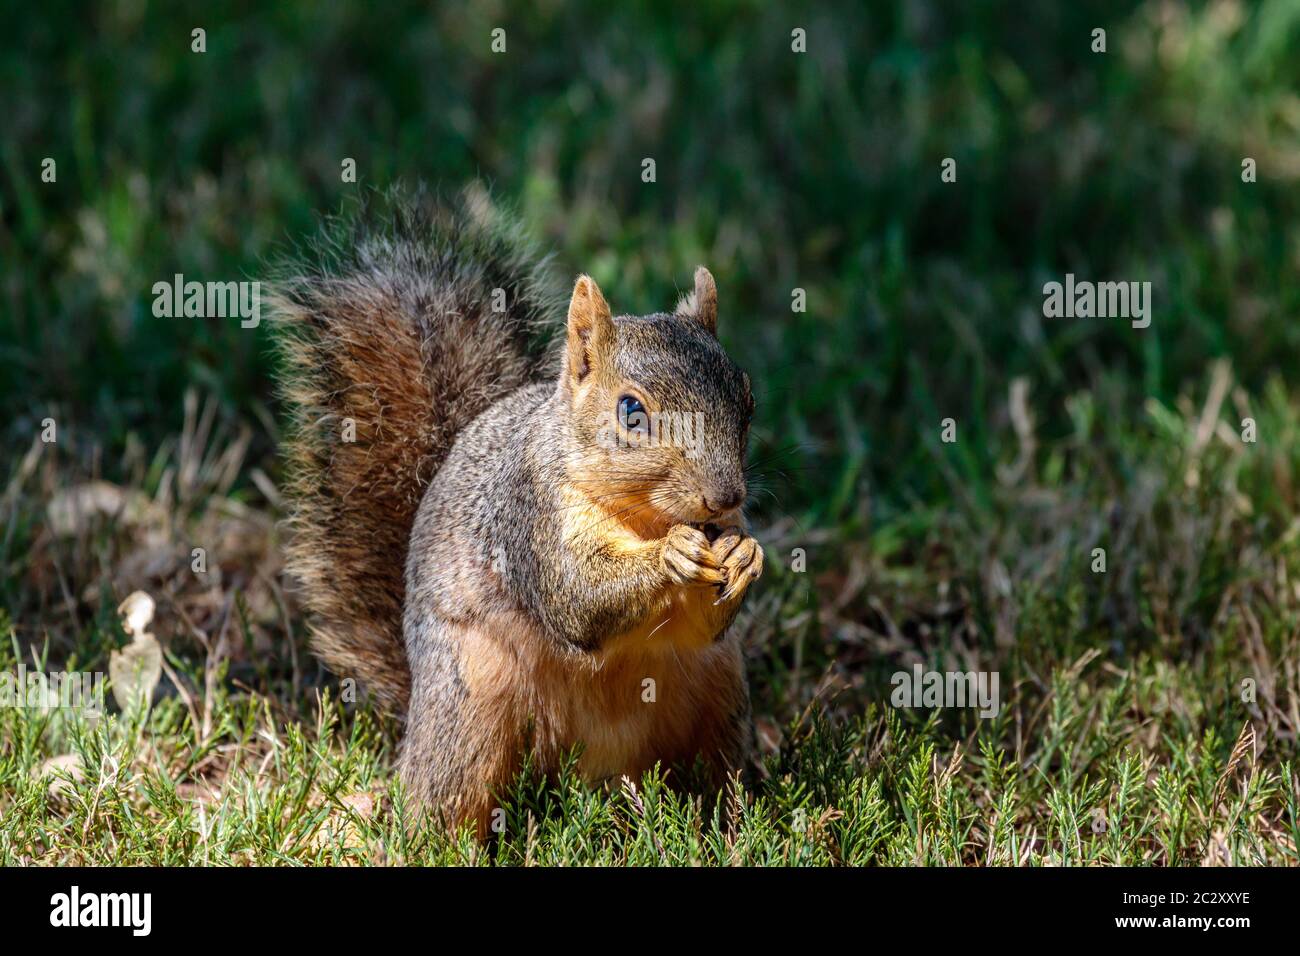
(725, 499)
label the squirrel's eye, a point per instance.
(632, 415)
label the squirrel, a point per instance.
(514, 548)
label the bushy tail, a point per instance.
(404, 322)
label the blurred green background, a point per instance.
(819, 171)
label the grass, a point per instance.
(1128, 733)
(1123, 737)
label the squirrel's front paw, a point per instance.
(687, 557)
(741, 560)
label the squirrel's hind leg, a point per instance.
(463, 743)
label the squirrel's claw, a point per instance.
(687, 558)
(741, 560)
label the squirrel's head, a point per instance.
(660, 413)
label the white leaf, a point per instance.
(136, 611)
(62, 772)
(137, 668)
(135, 671)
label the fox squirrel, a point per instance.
(560, 551)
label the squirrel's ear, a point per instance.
(701, 304)
(591, 329)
